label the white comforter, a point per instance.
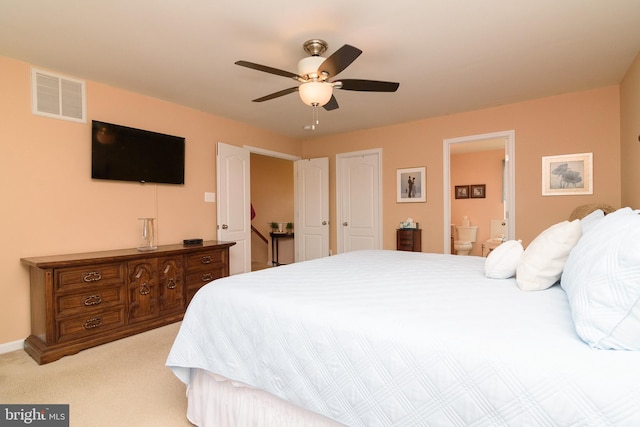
(380, 338)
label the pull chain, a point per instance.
(314, 118)
(315, 115)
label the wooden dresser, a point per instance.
(409, 239)
(83, 300)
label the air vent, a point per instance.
(57, 96)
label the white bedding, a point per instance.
(214, 401)
(377, 338)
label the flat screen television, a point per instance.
(126, 154)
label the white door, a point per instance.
(234, 204)
(312, 208)
(359, 199)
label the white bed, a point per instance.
(389, 338)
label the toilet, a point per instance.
(466, 238)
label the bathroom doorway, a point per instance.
(478, 143)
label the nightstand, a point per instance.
(409, 239)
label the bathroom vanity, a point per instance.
(489, 245)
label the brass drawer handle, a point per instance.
(207, 277)
(206, 259)
(92, 323)
(92, 276)
(92, 300)
(144, 289)
(171, 284)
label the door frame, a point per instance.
(271, 153)
(509, 177)
(339, 158)
(255, 150)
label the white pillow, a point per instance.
(589, 221)
(542, 262)
(602, 282)
(502, 262)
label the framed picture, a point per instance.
(412, 185)
(462, 192)
(566, 175)
(478, 191)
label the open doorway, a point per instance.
(234, 176)
(276, 194)
(506, 140)
(272, 202)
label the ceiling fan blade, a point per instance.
(267, 69)
(277, 94)
(367, 85)
(332, 104)
(339, 60)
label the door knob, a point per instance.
(225, 226)
(345, 223)
(324, 222)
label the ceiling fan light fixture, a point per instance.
(308, 67)
(314, 72)
(315, 94)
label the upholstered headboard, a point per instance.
(584, 210)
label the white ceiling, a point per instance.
(449, 56)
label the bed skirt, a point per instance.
(216, 401)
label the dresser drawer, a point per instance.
(405, 239)
(203, 261)
(80, 278)
(89, 300)
(90, 324)
(198, 279)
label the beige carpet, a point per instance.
(123, 383)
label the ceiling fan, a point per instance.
(315, 72)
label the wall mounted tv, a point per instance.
(126, 154)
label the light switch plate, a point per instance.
(210, 197)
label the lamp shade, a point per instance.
(315, 93)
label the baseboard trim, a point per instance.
(8, 347)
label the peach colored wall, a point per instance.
(272, 199)
(50, 204)
(630, 135)
(579, 122)
(484, 167)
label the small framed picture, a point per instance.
(412, 185)
(567, 174)
(478, 191)
(462, 192)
